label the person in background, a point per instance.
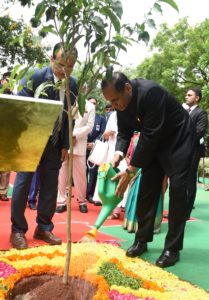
(110, 135)
(130, 219)
(55, 152)
(83, 125)
(108, 110)
(165, 147)
(200, 121)
(96, 133)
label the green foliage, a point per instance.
(97, 23)
(17, 44)
(171, 3)
(180, 59)
(114, 276)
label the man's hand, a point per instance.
(116, 160)
(64, 154)
(90, 146)
(124, 180)
(107, 134)
(74, 140)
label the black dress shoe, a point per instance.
(3, 197)
(61, 209)
(167, 259)
(90, 199)
(137, 249)
(18, 240)
(83, 208)
(47, 236)
(32, 206)
(97, 203)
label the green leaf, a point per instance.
(40, 8)
(98, 22)
(151, 23)
(35, 23)
(63, 28)
(171, 3)
(117, 7)
(41, 89)
(120, 45)
(157, 8)
(144, 36)
(109, 71)
(49, 28)
(113, 18)
(81, 103)
(50, 13)
(69, 11)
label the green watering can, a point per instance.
(106, 190)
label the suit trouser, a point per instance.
(34, 186)
(192, 186)
(79, 178)
(49, 169)
(62, 183)
(4, 182)
(148, 197)
(92, 180)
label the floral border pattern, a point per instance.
(133, 278)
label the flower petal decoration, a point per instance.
(104, 265)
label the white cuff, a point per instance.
(120, 153)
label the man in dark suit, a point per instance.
(96, 133)
(165, 147)
(200, 120)
(54, 153)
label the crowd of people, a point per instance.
(155, 141)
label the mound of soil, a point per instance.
(50, 287)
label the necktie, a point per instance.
(56, 129)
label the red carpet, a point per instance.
(80, 223)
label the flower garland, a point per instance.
(103, 265)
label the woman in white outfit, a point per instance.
(110, 135)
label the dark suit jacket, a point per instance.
(98, 129)
(200, 120)
(43, 75)
(167, 132)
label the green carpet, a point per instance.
(194, 261)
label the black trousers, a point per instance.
(192, 185)
(49, 170)
(148, 197)
(91, 180)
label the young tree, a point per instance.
(97, 24)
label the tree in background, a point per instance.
(180, 59)
(17, 44)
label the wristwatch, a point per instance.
(130, 173)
